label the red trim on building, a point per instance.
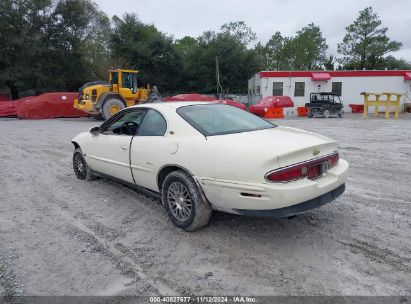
(407, 75)
(400, 73)
(320, 76)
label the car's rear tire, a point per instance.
(110, 107)
(183, 201)
(310, 114)
(341, 113)
(80, 167)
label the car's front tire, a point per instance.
(183, 201)
(80, 167)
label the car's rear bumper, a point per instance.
(295, 209)
(237, 197)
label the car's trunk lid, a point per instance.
(284, 145)
(299, 145)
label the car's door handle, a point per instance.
(123, 147)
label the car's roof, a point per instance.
(171, 104)
(324, 93)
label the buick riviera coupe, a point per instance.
(202, 156)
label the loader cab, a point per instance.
(129, 80)
(113, 80)
(124, 82)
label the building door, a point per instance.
(277, 89)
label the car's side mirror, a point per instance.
(95, 130)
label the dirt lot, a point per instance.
(63, 236)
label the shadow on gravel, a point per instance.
(234, 221)
(308, 225)
(287, 227)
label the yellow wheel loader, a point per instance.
(103, 99)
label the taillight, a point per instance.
(287, 174)
(311, 169)
(314, 171)
(333, 160)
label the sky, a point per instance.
(181, 18)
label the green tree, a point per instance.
(96, 47)
(309, 48)
(82, 33)
(21, 41)
(366, 42)
(274, 51)
(186, 49)
(42, 44)
(236, 63)
(261, 55)
(393, 63)
(305, 51)
(240, 31)
(140, 46)
(185, 45)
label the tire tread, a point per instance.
(203, 209)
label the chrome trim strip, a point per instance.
(108, 161)
(141, 168)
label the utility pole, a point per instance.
(217, 75)
(217, 69)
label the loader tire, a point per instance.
(110, 107)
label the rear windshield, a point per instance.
(218, 119)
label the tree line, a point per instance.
(50, 45)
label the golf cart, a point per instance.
(324, 104)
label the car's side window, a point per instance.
(126, 124)
(153, 124)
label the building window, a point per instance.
(337, 88)
(299, 89)
(258, 90)
(277, 89)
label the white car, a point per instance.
(206, 156)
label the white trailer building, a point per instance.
(348, 84)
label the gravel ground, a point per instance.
(63, 236)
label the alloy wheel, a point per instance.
(79, 166)
(179, 201)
